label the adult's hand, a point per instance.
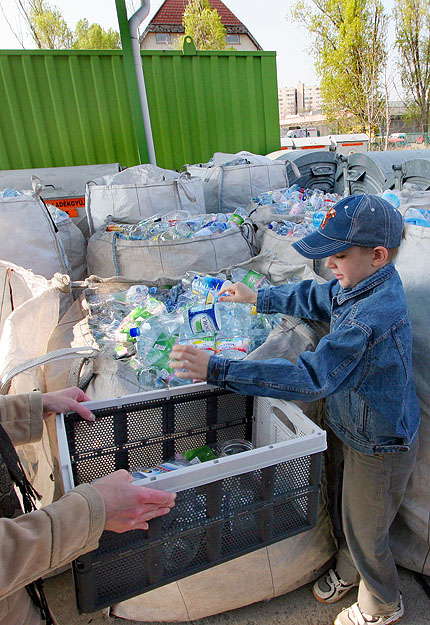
(238, 292)
(130, 507)
(66, 400)
(194, 361)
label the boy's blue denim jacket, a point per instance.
(363, 366)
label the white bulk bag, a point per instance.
(108, 255)
(30, 310)
(411, 529)
(28, 236)
(227, 187)
(140, 192)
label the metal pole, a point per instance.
(134, 75)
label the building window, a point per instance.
(233, 39)
(162, 37)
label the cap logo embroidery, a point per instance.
(329, 215)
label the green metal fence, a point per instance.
(62, 107)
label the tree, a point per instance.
(348, 39)
(49, 29)
(47, 26)
(413, 44)
(94, 37)
(204, 25)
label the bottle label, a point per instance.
(159, 354)
(237, 219)
(203, 320)
(253, 279)
(237, 344)
(206, 343)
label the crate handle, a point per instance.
(280, 414)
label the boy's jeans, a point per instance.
(373, 488)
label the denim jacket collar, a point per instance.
(366, 285)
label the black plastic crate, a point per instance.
(211, 522)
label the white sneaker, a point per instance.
(330, 587)
(354, 616)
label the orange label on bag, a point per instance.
(69, 205)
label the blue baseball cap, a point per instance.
(367, 220)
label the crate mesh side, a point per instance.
(209, 524)
(149, 432)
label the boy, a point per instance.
(363, 367)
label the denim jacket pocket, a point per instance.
(357, 410)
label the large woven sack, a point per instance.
(104, 376)
(30, 312)
(227, 186)
(108, 255)
(139, 192)
(411, 529)
(268, 241)
(28, 236)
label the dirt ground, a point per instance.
(295, 608)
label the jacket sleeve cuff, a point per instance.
(77, 521)
(22, 417)
(263, 299)
(217, 370)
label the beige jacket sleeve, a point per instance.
(39, 542)
(35, 544)
(21, 417)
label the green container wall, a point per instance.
(63, 108)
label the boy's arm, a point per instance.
(306, 299)
(316, 375)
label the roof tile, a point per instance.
(171, 12)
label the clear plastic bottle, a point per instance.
(238, 217)
(393, 197)
(211, 228)
(137, 295)
(251, 278)
(10, 193)
(318, 218)
(417, 217)
(176, 215)
(202, 284)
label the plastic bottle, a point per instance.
(392, 197)
(318, 218)
(10, 193)
(211, 228)
(137, 295)
(202, 284)
(234, 348)
(238, 217)
(417, 217)
(298, 208)
(251, 278)
(176, 215)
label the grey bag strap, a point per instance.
(58, 354)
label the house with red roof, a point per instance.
(166, 26)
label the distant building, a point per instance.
(166, 26)
(298, 100)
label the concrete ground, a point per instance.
(295, 608)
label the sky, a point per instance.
(266, 21)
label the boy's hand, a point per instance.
(195, 361)
(238, 292)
